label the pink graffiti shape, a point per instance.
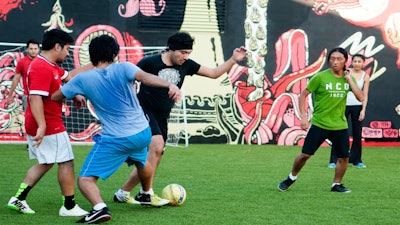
(146, 7)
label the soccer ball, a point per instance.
(175, 193)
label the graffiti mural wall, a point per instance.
(256, 102)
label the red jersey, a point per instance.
(22, 68)
(44, 78)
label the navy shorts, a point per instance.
(316, 136)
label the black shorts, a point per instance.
(316, 136)
(158, 125)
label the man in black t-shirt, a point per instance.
(172, 65)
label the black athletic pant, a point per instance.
(353, 112)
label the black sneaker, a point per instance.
(153, 200)
(285, 184)
(96, 216)
(340, 188)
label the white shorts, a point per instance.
(55, 148)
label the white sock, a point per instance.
(336, 184)
(99, 206)
(122, 192)
(149, 192)
(292, 177)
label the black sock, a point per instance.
(23, 191)
(69, 202)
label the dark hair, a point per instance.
(32, 41)
(341, 50)
(180, 40)
(55, 36)
(360, 56)
(103, 48)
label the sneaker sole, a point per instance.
(342, 191)
(134, 202)
(18, 210)
(72, 215)
(348, 191)
(149, 204)
(161, 205)
(282, 190)
(102, 219)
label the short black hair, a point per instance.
(32, 41)
(55, 36)
(103, 48)
(180, 40)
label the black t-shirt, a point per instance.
(156, 99)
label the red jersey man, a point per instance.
(21, 71)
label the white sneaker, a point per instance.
(20, 206)
(126, 197)
(76, 211)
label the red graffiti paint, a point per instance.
(8, 5)
(390, 133)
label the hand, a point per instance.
(39, 136)
(79, 101)
(239, 54)
(362, 116)
(347, 75)
(174, 93)
(9, 101)
(304, 124)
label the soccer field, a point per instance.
(226, 184)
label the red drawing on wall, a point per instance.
(7, 6)
(275, 115)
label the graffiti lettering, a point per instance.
(371, 133)
(390, 133)
(380, 124)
